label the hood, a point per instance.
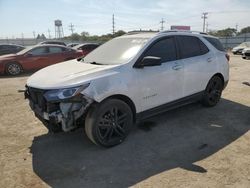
(8, 56)
(238, 48)
(68, 74)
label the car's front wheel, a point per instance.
(13, 69)
(213, 92)
(108, 123)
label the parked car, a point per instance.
(36, 58)
(128, 79)
(238, 49)
(87, 47)
(246, 53)
(10, 49)
(53, 42)
(72, 44)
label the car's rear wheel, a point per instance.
(13, 69)
(213, 92)
(108, 123)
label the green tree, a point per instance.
(228, 32)
(75, 37)
(245, 30)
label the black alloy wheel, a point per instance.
(213, 92)
(108, 123)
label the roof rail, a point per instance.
(187, 31)
(138, 32)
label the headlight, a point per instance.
(58, 94)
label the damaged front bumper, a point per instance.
(60, 114)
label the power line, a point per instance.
(204, 17)
(71, 28)
(113, 24)
(162, 24)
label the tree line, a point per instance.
(229, 32)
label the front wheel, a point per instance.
(108, 123)
(13, 69)
(213, 92)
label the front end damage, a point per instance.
(59, 114)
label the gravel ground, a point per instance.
(191, 146)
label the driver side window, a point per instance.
(39, 51)
(165, 49)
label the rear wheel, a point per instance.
(13, 69)
(108, 123)
(213, 92)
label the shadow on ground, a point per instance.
(17, 76)
(178, 138)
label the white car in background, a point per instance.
(128, 79)
(238, 49)
(246, 53)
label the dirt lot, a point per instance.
(191, 146)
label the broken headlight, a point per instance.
(66, 93)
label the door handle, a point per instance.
(177, 67)
(209, 59)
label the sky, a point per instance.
(23, 17)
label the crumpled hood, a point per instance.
(68, 74)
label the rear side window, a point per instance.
(191, 46)
(39, 51)
(165, 49)
(55, 50)
(215, 42)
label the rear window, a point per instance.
(191, 46)
(215, 42)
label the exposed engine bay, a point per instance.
(57, 114)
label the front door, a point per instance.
(161, 84)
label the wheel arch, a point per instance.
(220, 76)
(127, 100)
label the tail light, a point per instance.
(228, 57)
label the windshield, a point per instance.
(116, 51)
(25, 50)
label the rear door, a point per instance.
(198, 62)
(56, 55)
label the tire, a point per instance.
(107, 124)
(213, 92)
(13, 69)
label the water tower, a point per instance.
(58, 29)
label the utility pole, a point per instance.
(71, 28)
(22, 39)
(207, 27)
(113, 24)
(162, 24)
(204, 17)
(49, 34)
(236, 27)
(34, 34)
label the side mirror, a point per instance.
(149, 61)
(29, 54)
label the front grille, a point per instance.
(36, 95)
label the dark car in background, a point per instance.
(53, 42)
(10, 48)
(35, 58)
(86, 47)
(72, 44)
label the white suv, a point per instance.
(127, 79)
